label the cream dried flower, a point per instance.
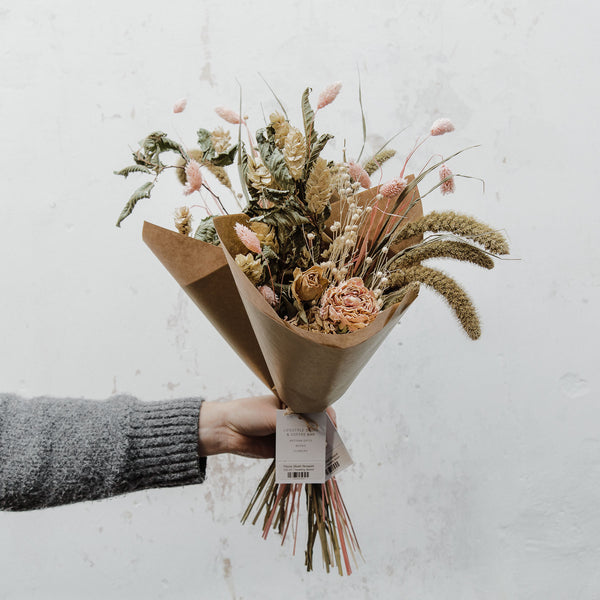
(281, 127)
(251, 267)
(442, 126)
(221, 140)
(318, 187)
(259, 176)
(447, 178)
(350, 305)
(183, 220)
(265, 234)
(294, 151)
(309, 285)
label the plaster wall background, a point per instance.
(477, 468)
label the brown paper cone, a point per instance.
(201, 270)
(310, 370)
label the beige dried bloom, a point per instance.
(221, 140)
(294, 152)
(219, 172)
(183, 220)
(265, 233)
(350, 305)
(318, 187)
(251, 267)
(309, 285)
(281, 127)
(259, 176)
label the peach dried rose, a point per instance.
(349, 305)
(309, 285)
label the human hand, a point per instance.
(245, 426)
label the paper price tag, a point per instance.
(300, 448)
(337, 458)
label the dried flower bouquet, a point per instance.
(309, 278)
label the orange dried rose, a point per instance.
(349, 305)
(309, 285)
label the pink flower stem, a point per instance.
(339, 528)
(417, 146)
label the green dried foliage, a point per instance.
(442, 249)
(375, 163)
(206, 231)
(132, 169)
(273, 158)
(462, 225)
(456, 297)
(142, 192)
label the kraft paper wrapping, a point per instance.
(202, 271)
(310, 370)
(307, 370)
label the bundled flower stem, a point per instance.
(328, 519)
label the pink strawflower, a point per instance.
(268, 294)
(193, 177)
(359, 174)
(248, 238)
(447, 186)
(229, 115)
(180, 105)
(442, 126)
(329, 94)
(393, 188)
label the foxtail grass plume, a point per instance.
(329, 94)
(441, 126)
(393, 188)
(443, 249)
(228, 115)
(447, 178)
(180, 105)
(456, 297)
(462, 225)
(375, 163)
(193, 177)
(248, 238)
(359, 174)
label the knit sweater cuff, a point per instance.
(163, 444)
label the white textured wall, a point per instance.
(477, 464)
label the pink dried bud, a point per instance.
(268, 294)
(393, 188)
(228, 115)
(248, 238)
(359, 174)
(193, 177)
(329, 94)
(180, 105)
(442, 126)
(448, 185)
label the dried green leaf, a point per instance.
(142, 192)
(132, 169)
(273, 159)
(206, 231)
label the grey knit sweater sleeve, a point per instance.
(56, 451)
